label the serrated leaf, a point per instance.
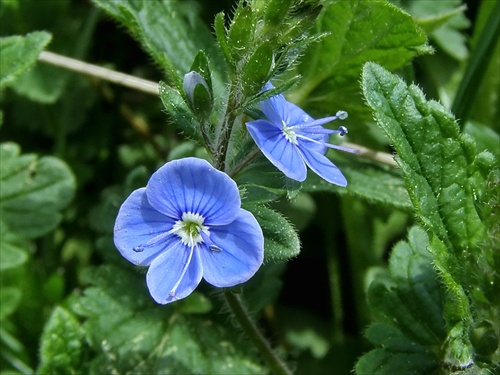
(409, 305)
(281, 241)
(19, 53)
(440, 166)
(358, 31)
(33, 192)
(131, 334)
(437, 161)
(61, 344)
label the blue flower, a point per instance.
(291, 139)
(186, 224)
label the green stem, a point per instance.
(225, 133)
(241, 314)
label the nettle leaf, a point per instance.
(34, 191)
(19, 53)
(408, 305)
(441, 169)
(171, 31)
(358, 31)
(131, 334)
(436, 159)
(61, 344)
(281, 241)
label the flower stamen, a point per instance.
(184, 270)
(289, 134)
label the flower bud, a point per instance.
(198, 94)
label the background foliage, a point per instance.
(395, 274)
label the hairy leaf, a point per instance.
(409, 307)
(445, 183)
(130, 333)
(281, 241)
(358, 31)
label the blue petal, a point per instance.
(323, 166)
(166, 271)
(294, 115)
(138, 223)
(282, 153)
(193, 185)
(275, 109)
(241, 252)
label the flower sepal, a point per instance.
(198, 94)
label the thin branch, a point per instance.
(150, 87)
(378, 156)
(99, 72)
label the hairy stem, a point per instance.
(276, 365)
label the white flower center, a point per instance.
(189, 228)
(289, 134)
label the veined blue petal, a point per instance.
(240, 253)
(294, 115)
(137, 224)
(166, 274)
(274, 108)
(281, 152)
(193, 185)
(323, 166)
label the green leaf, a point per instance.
(34, 191)
(9, 300)
(409, 307)
(61, 344)
(358, 31)
(171, 31)
(129, 333)
(361, 177)
(220, 32)
(437, 161)
(201, 65)
(13, 249)
(257, 70)
(281, 241)
(241, 33)
(445, 183)
(179, 111)
(480, 57)
(445, 22)
(19, 54)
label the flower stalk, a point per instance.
(239, 311)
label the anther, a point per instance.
(138, 249)
(342, 115)
(342, 130)
(214, 248)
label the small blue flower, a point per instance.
(291, 139)
(186, 224)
